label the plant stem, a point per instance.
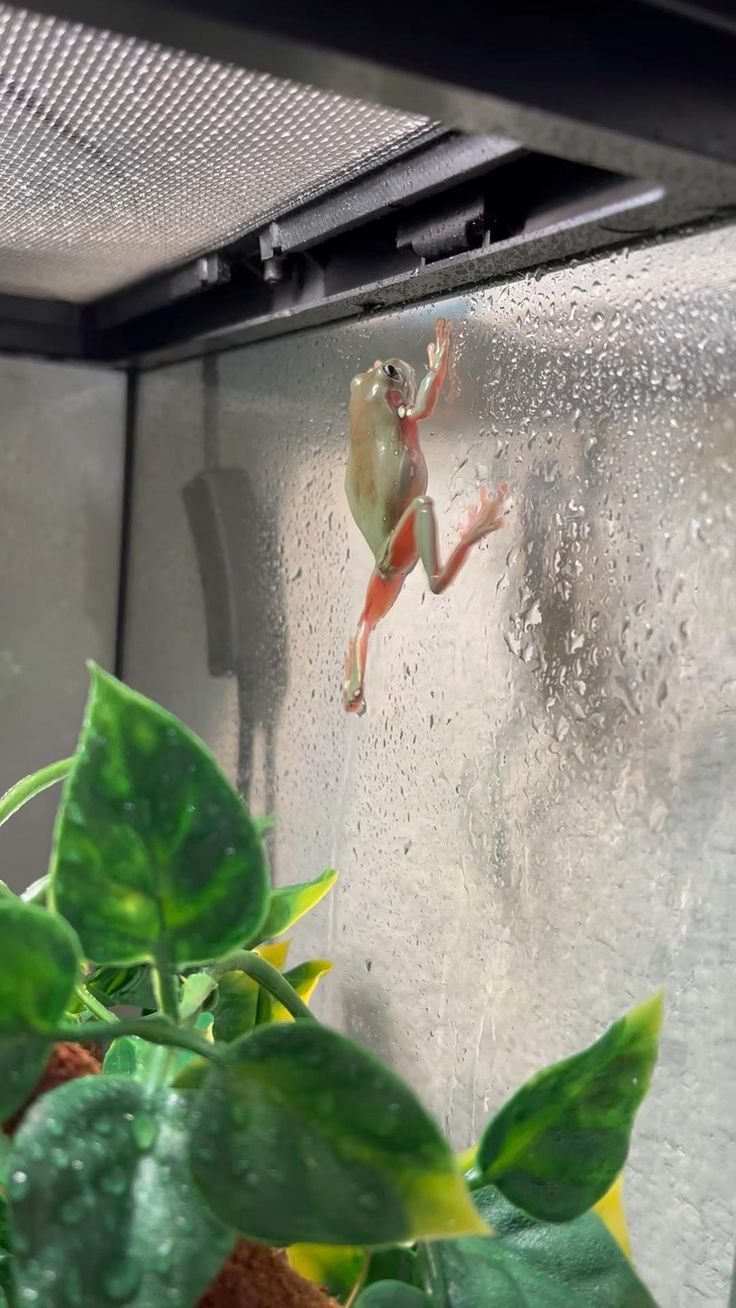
(161, 1062)
(160, 1031)
(432, 1271)
(271, 979)
(349, 1302)
(166, 990)
(94, 1005)
(37, 891)
(27, 787)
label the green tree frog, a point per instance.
(385, 483)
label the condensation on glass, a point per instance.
(534, 822)
(62, 437)
(120, 157)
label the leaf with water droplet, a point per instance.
(153, 861)
(559, 1143)
(41, 962)
(145, 1129)
(130, 1221)
(307, 1112)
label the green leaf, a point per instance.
(194, 991)
(558, 1145)
(265, 824)
(398, 1264)
(40, 965)
(7, 1279)
(560, 1265)
(289, 903)
(192, 1075)
(130, 1056)
(336, 1268)
(155, 857)
(302, 1137)
(5, 1147)
(103, 1207)
(395, 1294)
(124, 985)
(237, 1005)
(303, 980)
(28, 787)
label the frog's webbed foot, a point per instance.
(440, 346)
(485, 517)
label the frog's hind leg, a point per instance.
(381, 594)
(483, 520)
(384, 588)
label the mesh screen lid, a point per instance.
(119, 157)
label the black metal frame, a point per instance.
(654, 70)
(456, 212)
(626, 111)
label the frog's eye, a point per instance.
(392, 372)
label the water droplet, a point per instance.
(162, 1257)
(145, 1130)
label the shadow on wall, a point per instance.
(236, 543)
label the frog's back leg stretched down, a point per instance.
(415, 537)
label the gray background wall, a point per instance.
(61, 476)
(534, 821)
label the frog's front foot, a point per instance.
(439, 347)
(488, 516)
(352, 691)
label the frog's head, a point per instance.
(398, 381)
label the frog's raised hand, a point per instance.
(385, 484)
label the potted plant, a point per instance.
(225, 1110)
